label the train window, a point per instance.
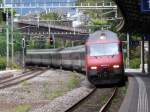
(37, 56)
(46, 56)
(103, 49)
(120, 47)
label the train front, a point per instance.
(104, 58)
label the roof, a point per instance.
(108, 34)
(134, 19)
(60, 50)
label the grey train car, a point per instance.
(69, 58)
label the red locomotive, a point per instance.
(104, 58)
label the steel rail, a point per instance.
(17, 77)
(7, 76)
(105, 107)
(22, 78)
(82, 100)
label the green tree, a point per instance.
(17, 40)
(97, 16)
(97, 24)
(50, 16)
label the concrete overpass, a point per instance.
(53, 26)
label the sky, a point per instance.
(25, 11)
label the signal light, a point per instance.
(4, 16)
(116, 66)
(27, 43)
(51, 41)
(93, 67)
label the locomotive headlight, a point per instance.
(116, 66)
(93, 67)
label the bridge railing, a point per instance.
(59, 25)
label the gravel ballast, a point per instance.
(41, 91)
(63, 103)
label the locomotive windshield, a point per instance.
(104, 49)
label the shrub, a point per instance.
(22, 108)
(135, 63)
(15, 66)
(2, 63)
(73, 81)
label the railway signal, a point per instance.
(4, 16)
(23, 43)
(51, 41)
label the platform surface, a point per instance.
(137, 98)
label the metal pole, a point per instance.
(128, 50)
(116, 14)
(54, 40)
(74, 30)
(62, 43)
(38, 20)
(7, 36)
(148, 57)
(72, 43)
(21, 8)
(142, 55)
(4, 2)
(49, 30)
(23, 54)
(12, 37)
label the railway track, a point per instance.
(10, 76)
(6, 76)
(8, 82)
(103, 108)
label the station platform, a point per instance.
(135, 70)
(137, 98)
